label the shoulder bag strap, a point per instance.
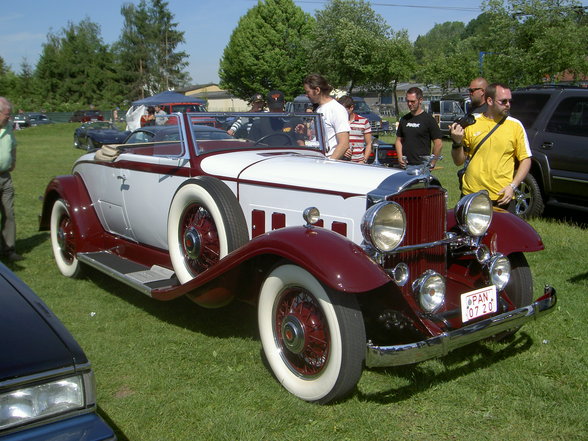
(486, 137)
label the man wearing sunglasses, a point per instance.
(506, 149)
(477, 91)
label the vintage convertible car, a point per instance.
(95, 134)
(348, 264)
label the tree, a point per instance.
(347, 43)
(76, 67)
(396, 62)
(445, 57)
(267, 50)
(531, 41)
(147, 54)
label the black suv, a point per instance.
(556, 120)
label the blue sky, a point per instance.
(207, 24)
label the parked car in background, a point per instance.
(386, 152)
(349, 265)
(301, 103)
(38, 119)
(149, 134)
(95, 134)
(446, 111)
(20, 121)
(556, 121)
(47, 387)
(86, 116)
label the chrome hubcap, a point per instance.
(293, 334)
(192, 243)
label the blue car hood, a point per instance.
(32, 339)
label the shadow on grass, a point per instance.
(234, 320)
(567, 215)
(120, 436)
(457, 364)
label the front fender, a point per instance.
(331, 258)
(86, 225)
(507, 233)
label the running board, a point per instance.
(135, 275)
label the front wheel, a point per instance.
(519, 288)
(63, 241)
(313, 337)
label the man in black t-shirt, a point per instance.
(416, 131)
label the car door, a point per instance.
(565, 142)
(154, 172)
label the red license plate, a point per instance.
(477, 303)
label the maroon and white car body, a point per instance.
(349, 265)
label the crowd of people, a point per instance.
(498, 168)
(494, 150)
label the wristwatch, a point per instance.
(514, 187)
(456, 146)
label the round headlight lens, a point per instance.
(473, 213)
(311, 215)
(499, 268)
(383, 225)
(430, 291)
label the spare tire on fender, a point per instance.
(205, 223)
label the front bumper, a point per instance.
(440, 345)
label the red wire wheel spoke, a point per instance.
(65, 238)
(302, 331)
(200, 239)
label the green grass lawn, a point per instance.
(175, 371)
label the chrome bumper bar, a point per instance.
(382, 356)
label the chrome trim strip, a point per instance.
(45, 376)
(82, 257)
(440, 345)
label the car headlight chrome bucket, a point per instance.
(473, 213)
(499, 271)
(429, 290)
(384, 225)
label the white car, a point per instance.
(349, 265)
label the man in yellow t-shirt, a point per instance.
(493, 167)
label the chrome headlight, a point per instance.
(21, 406)
(499, 271)
(430, 290)
(311, 215)
(383, 225)
(473, 213)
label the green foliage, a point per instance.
(175, 371)
(445, 57)
(75, 67)
(146, 53)
(267, 50)
(531, 41)
(352, 44)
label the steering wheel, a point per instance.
(276, 135)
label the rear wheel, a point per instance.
(313, 337)
(63, 241)
(528, 197)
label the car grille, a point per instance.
(425, 210)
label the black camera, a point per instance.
(466, 120)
